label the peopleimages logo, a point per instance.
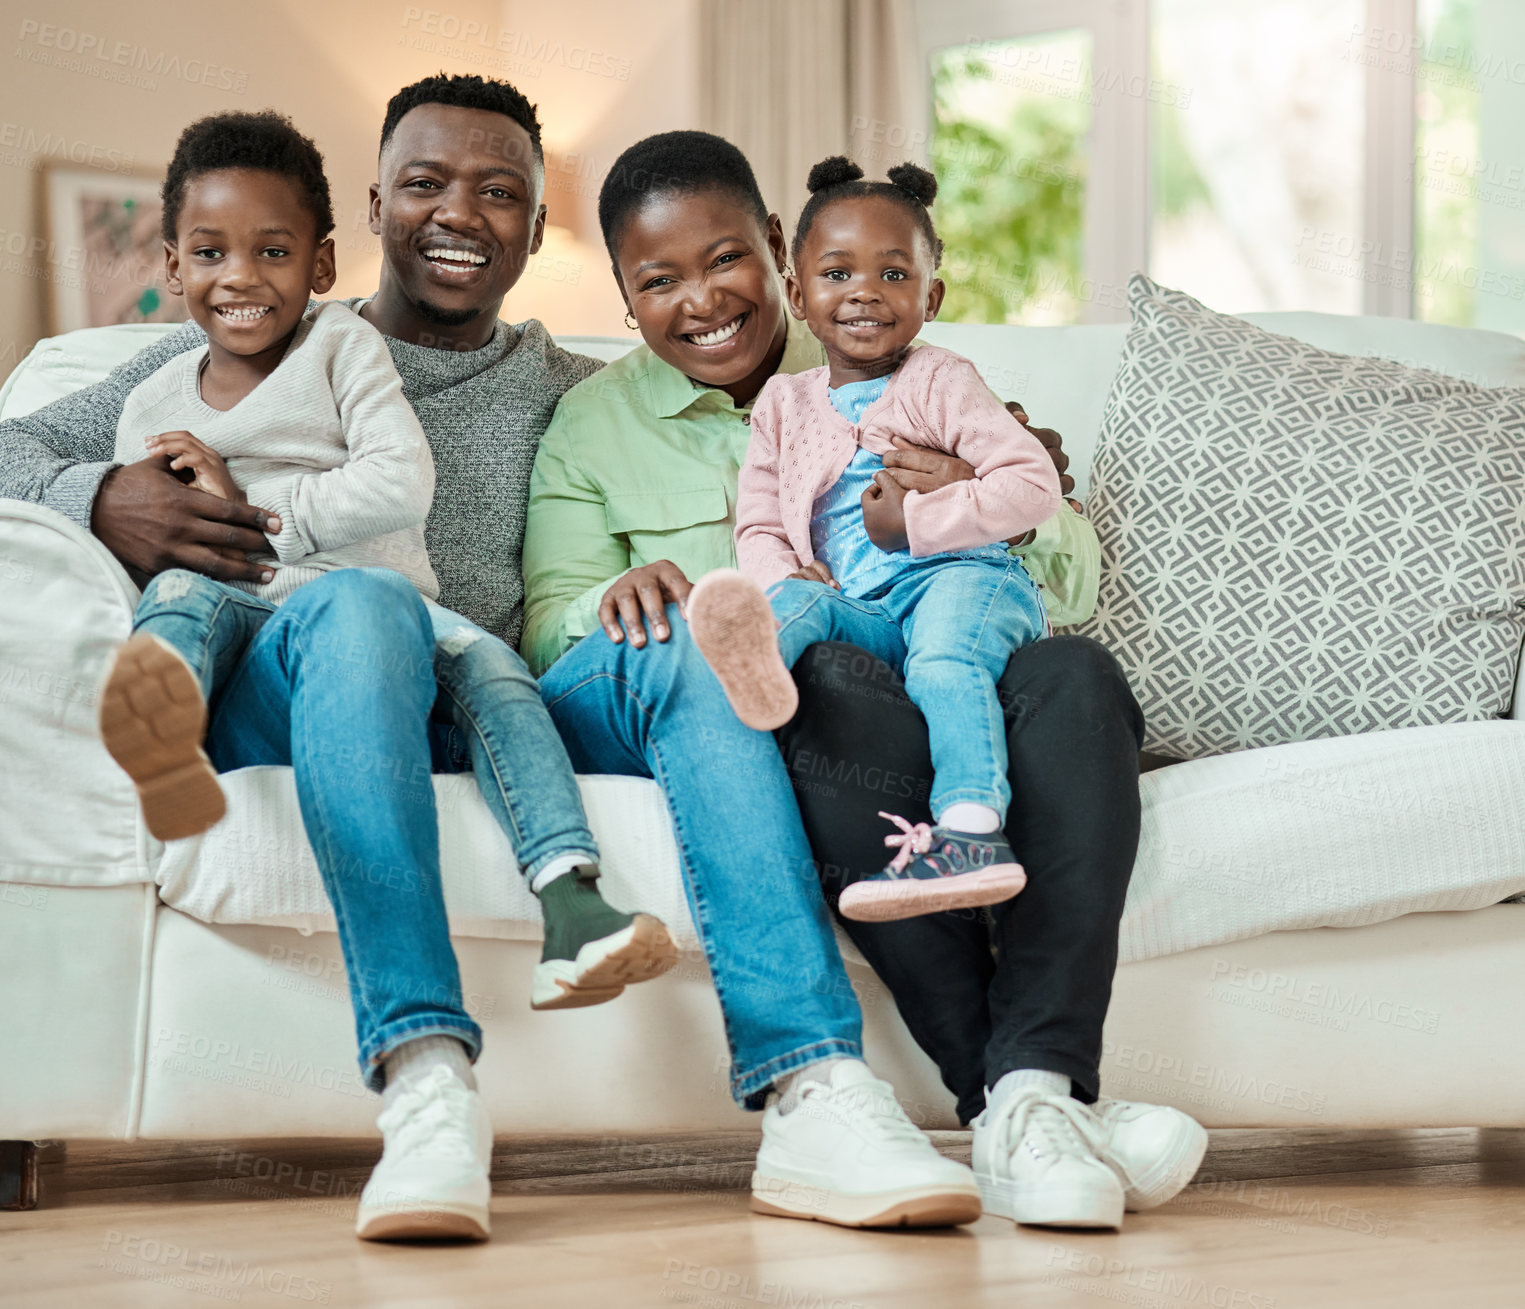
(97, 55)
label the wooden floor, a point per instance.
(1277, 1220)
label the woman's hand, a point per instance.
(918, 468)
(1052, 442)
(884, 512)
(208, 472)
(817, 571)
(644, 593)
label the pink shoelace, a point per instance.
(912, 840)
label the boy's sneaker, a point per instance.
(592, 950)
(936, 869)
(1037, 1160)
(734, 629)
(432, 1182)
(847, 1154)
(153, 720)
(1155, 1150)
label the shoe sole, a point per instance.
(1049, 1206)
(878, 902)
(734, 629)
(605, 967)
(434, 1224)
(153, 720)
(1168, 1178)
(911, 1206)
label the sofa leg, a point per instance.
(18, 1175)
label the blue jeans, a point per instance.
(751, 882)
(339, 683)
(949, 630)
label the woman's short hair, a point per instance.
(674, 161)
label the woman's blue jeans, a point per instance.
(365, 690)
(753, 887)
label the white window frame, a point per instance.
(1119, 204)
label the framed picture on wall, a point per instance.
(105, 254)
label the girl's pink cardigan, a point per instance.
(800, 446)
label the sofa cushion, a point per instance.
(1316, 834)
(1302, 544)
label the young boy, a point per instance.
(298, 408)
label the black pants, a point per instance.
(1025, 985)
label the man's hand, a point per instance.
(816, 571)
(884, 512)
(644, 591)
(208, 472)
(152, 522)
(1052, 442)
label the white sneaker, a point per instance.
(847, 1154)
(431, 1183)
(1036, 1160)
(1154, 1149)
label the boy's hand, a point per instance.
(884, 512)
(208, 472)
(816, 571)
(641, 596)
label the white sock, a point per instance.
(790, 1084)
(1026, 1079)
(560, 867)
(416, 1058)
(970, 818)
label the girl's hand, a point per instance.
(884, 512)
(644, 592)
(917, 468)
(208, 472)
(816, 571)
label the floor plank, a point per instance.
(1276, 1220)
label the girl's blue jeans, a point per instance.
(948, 629)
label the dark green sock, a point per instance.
(575, 913)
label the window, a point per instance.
(1010, 120)
(1257, 166)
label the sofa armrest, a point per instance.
(1517, 706)
(69, 814)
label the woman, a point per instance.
(633, 499)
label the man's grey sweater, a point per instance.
(484, 412)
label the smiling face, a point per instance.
(246, 256)
(458, 212)
(865, 285)
(701, 276)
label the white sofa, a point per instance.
(196, 990)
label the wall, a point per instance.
(114, 83)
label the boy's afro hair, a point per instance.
(674, 161)
(265, 141)
(464, 91)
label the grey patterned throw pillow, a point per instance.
(1299, 544)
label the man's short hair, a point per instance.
(266, 141)
(465, 91)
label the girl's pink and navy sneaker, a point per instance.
(936, 869)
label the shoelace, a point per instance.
(913, 839)
(872, 1106)
(1054, 1125)
(434, 1116)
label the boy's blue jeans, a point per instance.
(365, 689)
(948, 629)
(752, 885)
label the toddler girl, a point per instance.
(922, 580)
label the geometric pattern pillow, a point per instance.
(1301, 544)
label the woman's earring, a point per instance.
(630, 322)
